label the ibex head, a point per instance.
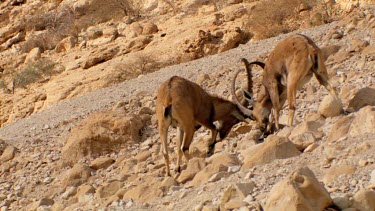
(255, 110)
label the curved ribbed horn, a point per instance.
(242, 108)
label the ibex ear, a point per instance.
(248, 97)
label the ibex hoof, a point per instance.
(178, 170)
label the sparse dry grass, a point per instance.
(141, 64)
(3, 85)
(34, 72)
(56, 25)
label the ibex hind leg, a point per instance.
(324, 81)
(163, 137)
(180, 135)
(187, 138)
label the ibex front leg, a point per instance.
(275, 99)
(292, 92)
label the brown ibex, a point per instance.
(186, 105)
(289, 67)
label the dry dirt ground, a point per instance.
(343, 160)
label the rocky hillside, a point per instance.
(56, 50)
(100, 150)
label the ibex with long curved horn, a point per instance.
(185, 105)
(289, 67)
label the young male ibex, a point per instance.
(289, 67)
(186, 105)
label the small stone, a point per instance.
(47, 180)
(372, 180)
(8, 153)
(183, 194)
(175, 188)
(45, 202)
(218, 176)
(342, 202)
(353, 182)
(101, 163)
(234, 168)
(311, 147)
(199, 207)
(70, 191)
(362, 163)
(234, 204)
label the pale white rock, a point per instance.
(372, 177)
(330, 107)
(70, 191)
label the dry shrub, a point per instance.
(56, 25)
(3, 85)
(173, 5)
(271, 17)
(32, 73)
(130, 8)
(141, 64)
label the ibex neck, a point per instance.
(221, 107)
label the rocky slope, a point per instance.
(101, 150)
(51, 52)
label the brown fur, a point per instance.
(185, 105)
(289, 66)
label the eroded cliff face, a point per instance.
(349, 5)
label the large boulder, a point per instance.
(340, 128)
(304, 140)
(217, 163)
(100, 134)
(236, 193)
(8, 153)
(144, 193)
(364, 122)
(99, 56)
(109, 189)
(66, 44)
(307, 126)
(76, 175)
(349, 5)
(273, 148)
(364, 200)
(362, 98)
(330, 107)
(329, 50)
(334, 172)
(193, 167)
(299, 191)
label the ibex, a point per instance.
(186, 105)
(289, 67)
